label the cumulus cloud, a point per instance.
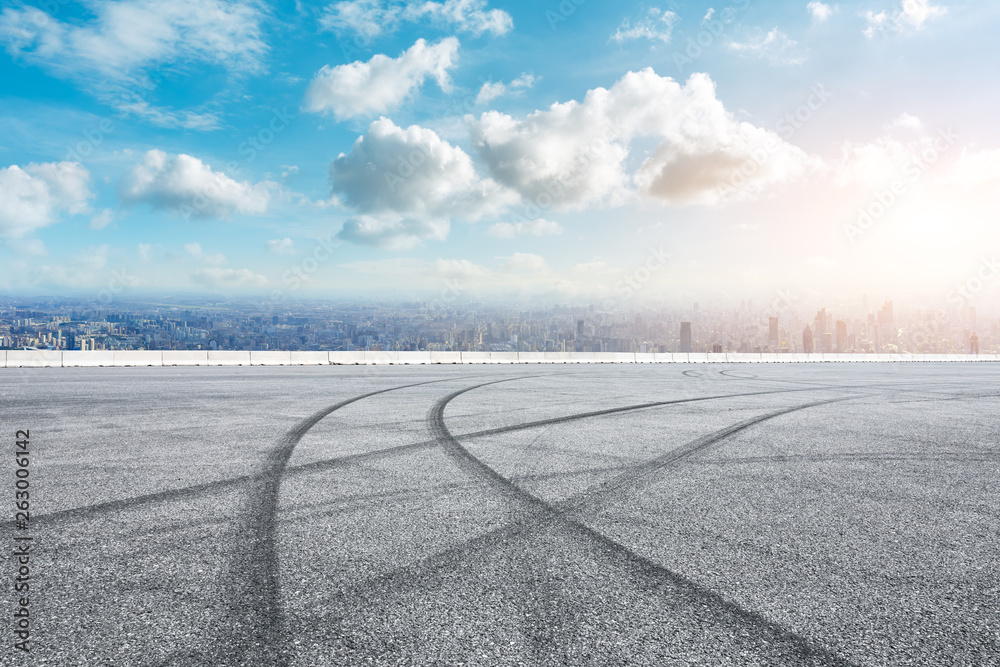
(185, 185)
(774, 45)
(820, 11)
(906, 121)
(33, 196)
(574, 153)
(974, 168)
(490, 90)
(538, 227)
(283, 246)
(102, 219)
(393, 232)
(657, 24)
(371, 18)
(382, 83)
(113, 52)
(911, 14)
(523, 262)
(229, 278)
(411, 173)
(459, 268)
(196, 251)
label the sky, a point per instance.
(548, 151)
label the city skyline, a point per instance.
(546, 153)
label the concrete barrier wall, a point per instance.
(614, 357)
(122, 358)
(446, 357)
(185, 358)
(34, 358)
(308, 358)
(138, 357)
(81, 359)
(228, 358)
(270, 358)
(345, 357)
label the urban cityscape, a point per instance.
(865, 327)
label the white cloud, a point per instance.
(393, 232)
(371, 18)
(821, 12)
(657, 24)
(911, 14)
(382, 83)
(523, 262)
(102, 219)
(283, 246)
(459, 268)
(538, 227)
(196, 251)
(33, 196)
(573, 154)
(906, 121)
(973, 168)
(112, 53)
(185, 185)
(411, 173)
(775, 46)
(145, 251)
(216, 277)
(709, 14)
(490, 90)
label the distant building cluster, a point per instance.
(479, 327)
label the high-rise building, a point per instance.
(579, 328)
(685, 336)
(841, 336)
(807, 340)
(974, 344)
(772, 330)
(826, 341)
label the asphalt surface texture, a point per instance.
(813, 514)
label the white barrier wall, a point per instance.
(79, 358)
(228, 358)
(122, 358)
(138, 358)
(34, 358)
(270, 358)
(308, 358)
(185, 358)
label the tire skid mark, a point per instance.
(538, 512)
(338, 461)
(252, 631)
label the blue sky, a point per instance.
(543, 150)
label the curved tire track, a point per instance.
(252, 631)
(539, 512)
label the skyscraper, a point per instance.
(807, 340)
(772, 331)
(974, 344)
(685, 336)
(841, 336)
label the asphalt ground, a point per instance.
(813, 514)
